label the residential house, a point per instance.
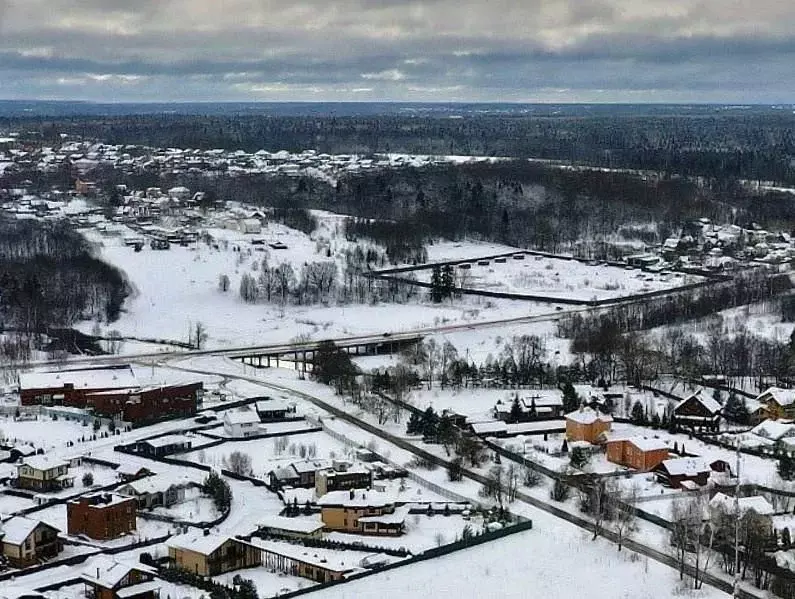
(241, 423)
(163, 446)
(638, 453)
(210, 555)
(537, 406)
(275, 410)
(727, 504)
(156, 491)
(362, 511)
(298, 474)
(698, 412)
(250, 226)
(40, 473)
(107, 578)
(778, 403)
(341, 477)
(127, 472)
(294, 528)
(101, 516)
(674, 472)
(26, 541)
(587, 424)
(318, 565)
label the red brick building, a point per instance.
(146, 405)
(638, 453)
(101, 516)
(110, 392)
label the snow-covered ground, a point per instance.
(553, 277)
(177, 288)
(555, 560)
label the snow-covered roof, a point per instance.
(168, 440)
(137, 590)
(198, 542)
(241, 416)
(274, 405)
(43, 462)
(485, 428)
(108, 572)
(783, 397)
(642, 443)
(19, 528)
(93, 378)
(301, 525)
(712, 406)
(686, 466)
(587, 416)
(321, 558)
(356, 498)
(756, 503)
(774, 429)
(396, 517)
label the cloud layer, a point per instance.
(418, 50)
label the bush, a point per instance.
(88, 479)
(560, 491)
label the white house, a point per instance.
(241, 423)
(250, 225)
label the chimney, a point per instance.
(353, 494)
(206, 532)
(97, 573)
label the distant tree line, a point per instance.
(50, 277)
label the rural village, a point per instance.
(281, 408)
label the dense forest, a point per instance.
(49, 277)
(722, 145)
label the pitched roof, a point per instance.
(756, 503)
(356, 498)
(41, 462)
(686, 466)
(587, 416)
(783, 397)
(647, 444)
(198, 542)
(709, 403)
(108, 572)
(304, 525)
(19, 528)
(242, 416)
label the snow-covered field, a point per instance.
(177, 288)
(555, 560)
(265, 454)
(554, 277)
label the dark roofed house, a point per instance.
(106, 578)
(676, 471)
(698, 412)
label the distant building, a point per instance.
(26, 541)
(250, 225)
(587, 424)
(40, 473)
(156, 491)
(638, 453)
(106, 578)
(362, 511)
(298, 474)
(101, 516)
(111, 392)
(537, 406)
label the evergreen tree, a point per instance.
(414, 426)
(571, 401)
(655, 421)
(736, 409)
(638, 415)
(429, 425)
(579, 458)
(515, 415)
(786, 467)
(437, 287)
(448, 281)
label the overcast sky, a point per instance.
(734, 51)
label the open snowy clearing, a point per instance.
(555, 560)
(559, 278)
(177, 288)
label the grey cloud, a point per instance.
(395, 49)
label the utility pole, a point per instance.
(736, 589)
